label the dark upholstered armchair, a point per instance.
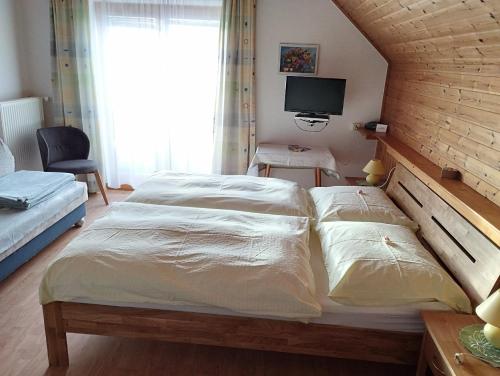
(66, 149)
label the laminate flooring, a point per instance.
(23, 351)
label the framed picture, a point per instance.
(299, 59)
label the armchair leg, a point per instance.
(101, 187)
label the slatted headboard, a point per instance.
(469, 255)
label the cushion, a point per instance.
(7, 164)
(74, 166)
(376, 264)
(363, 204)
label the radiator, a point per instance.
(19, 120)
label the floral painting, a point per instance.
(299, 59)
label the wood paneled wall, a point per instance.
(443, 90)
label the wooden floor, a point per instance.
(23, 352)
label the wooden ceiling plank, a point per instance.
(469, 39)
(391, 9)
(432, 21)
(477, 84)
(445, 60)
(421, 125)
(468, 98)
(462, 128)
(369, 6)
(480, 118)
(481, 22)
(491, 70)
(442, 11)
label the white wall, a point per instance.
(344, 53)
(33, 34)
(33, 19)
(10, 72)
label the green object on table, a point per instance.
(472, 337)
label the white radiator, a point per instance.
(19, 120)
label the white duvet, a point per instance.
(235, 192)
(138, 253)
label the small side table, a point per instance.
(318, 158)
(441, 342)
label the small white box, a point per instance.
(381, 128)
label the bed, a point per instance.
(349, 332)
(55, 203)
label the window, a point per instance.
(156, 70)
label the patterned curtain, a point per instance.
(72, 79)
(235, 112)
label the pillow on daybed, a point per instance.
(364, 204)
(7, 164)
(376, 264)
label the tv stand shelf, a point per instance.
(368, 134)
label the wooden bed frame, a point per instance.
(465, 251)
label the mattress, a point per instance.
(405, 318)
(18, 227)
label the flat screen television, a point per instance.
(314, 95)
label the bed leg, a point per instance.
(55, 335)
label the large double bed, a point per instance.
(262, 264)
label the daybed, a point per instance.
(239, 278)
(24, 233)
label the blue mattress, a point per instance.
(9, 264)
(18, 227)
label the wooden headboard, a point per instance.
(470, 256)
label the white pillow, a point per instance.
(7, 164)
(362, 204)
(376, 264)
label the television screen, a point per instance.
(315, 95)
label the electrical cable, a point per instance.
(311, 123)
(388, 178)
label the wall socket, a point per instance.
(356, 126)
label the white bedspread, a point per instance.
(138, 253)
(235, 192)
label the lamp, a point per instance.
(489, 311)
(375, 170)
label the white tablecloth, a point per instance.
(280, 156)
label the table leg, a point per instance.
(318, 177)
(268, 170)
(422, 362)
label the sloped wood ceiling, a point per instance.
(443, 90)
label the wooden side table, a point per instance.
(441, 343)
(318, 158)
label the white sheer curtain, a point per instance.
(155, 65)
